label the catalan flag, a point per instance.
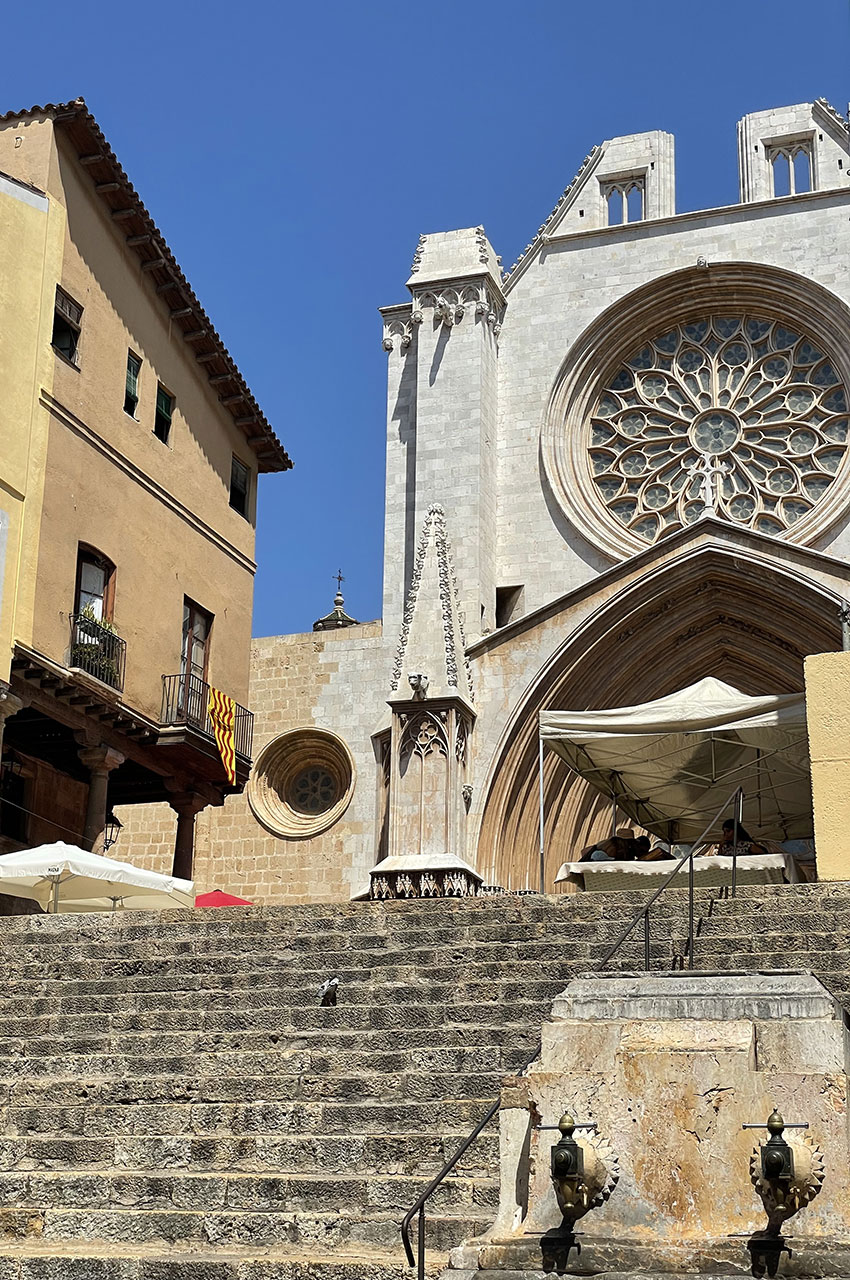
(222, 711)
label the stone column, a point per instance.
(186, 804)
(100, 761)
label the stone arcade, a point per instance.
(612, 470)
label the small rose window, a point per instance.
(301, 783)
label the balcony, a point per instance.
(185, 701)
(97, 650)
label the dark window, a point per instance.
(67, 318)
(95, 588)
(13, 800)
(197, 625)
(509, 601)
(131, 387)
(164, 410)
(240, 478)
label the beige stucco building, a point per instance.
(615, 469)
(129, 452)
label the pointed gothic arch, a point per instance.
(736, 615)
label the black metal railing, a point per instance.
(186, 700)
(736, 801)
(97, 650)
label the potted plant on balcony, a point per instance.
(91, 648)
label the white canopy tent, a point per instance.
(670, 764)
(64, 878)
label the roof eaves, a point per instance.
(160, 263)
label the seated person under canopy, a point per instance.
(619, 849)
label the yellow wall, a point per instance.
(31, 238)
(828, 714)
(159, 512)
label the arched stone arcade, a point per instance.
(713, 611)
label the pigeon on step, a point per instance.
(327, 992)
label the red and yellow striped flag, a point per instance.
(222, 711)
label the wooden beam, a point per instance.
(102, 187)
(144, 238)
(153, 264)
(217, 378)
(92, 159)
(118, 214)
(176, 312)
(194, 335)
(246, 421)
(234, 399)
(166, 285)
(206, 356)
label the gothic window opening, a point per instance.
(734, 415)
(624, 201)
(791, 167)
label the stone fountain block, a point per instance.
(670, 1067)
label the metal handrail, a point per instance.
(419, 1206)
(736, 799)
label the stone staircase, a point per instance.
(175, 1106)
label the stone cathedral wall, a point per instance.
(323, 679)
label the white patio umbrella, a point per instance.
(62, 877)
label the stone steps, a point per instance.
(118, 1188)
(173, 1263)
(175, 1106)
(414, 1154)
(332, 1229)
(216, 1119)
(185, 1040)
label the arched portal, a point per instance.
(713, 612)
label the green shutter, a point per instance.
(134, 364)
(164, 403)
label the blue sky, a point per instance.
(292, 155)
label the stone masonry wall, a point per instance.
(330, 680)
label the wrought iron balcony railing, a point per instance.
(97, 650)
(186, 700)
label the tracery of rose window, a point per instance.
(735, 415)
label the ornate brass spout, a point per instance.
(786, 1178)
(584, 1175)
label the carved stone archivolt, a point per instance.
(301, 783)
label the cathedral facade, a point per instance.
(614, 469)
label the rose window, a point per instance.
(314, 790)
(737, 416)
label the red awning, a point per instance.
(219, 899)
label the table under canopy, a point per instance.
(670, 764)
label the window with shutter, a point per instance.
(131, 388)
(67, 321)
(164, 411)
(240, 477)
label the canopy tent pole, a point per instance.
(55, 895)
(542, 845)
(613, 808)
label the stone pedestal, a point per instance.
(670, 1067)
